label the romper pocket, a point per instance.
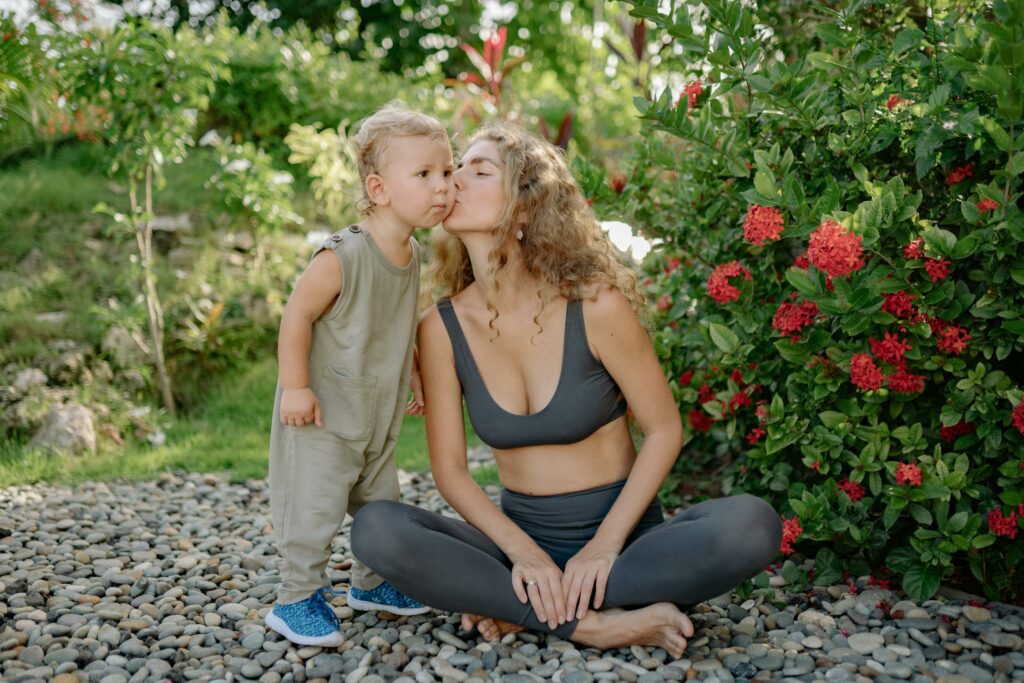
(347, 404)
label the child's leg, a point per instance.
(311, 473)
(378, 481)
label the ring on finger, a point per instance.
(531, 582)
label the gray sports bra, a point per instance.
(586, 398)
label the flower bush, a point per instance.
(840, 301)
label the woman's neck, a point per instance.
(507, 287)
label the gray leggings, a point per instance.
(450, 565)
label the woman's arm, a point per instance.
(446, 441)
(622, 346)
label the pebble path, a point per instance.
(170, 579)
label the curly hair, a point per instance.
(562, 244)
(375, 132)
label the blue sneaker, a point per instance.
(384, 597)
(307, 622)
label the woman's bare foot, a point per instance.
(661, 625)
(491, 629)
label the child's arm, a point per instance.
(314, 294)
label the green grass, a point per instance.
(229, 434)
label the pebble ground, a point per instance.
(170, 580)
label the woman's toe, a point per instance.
(685, 626)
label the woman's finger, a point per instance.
(519, 587)
(600, 584)
(586, 590)
(536, 600)
(548, 601)
(572, 593)
(557, 598)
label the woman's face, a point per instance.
(479, 190)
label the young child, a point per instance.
(346, 352)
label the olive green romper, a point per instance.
(359, 364)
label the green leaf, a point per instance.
(832, 35)
(957, 522)
(764, 182)
(939, 240)
(723, 337)
(1016, 164)
(997, 132)
(801, 280)
(921, 581)
(792, 353)
(901, 559)
(831, 418)
(827, 568)
(983, 541)
(921, 514)
(906, 39)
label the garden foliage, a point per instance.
(839, 302)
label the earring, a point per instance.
(519, 235)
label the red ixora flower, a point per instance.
(672, 265)
(987, 205)
(835, 250)
(1018, 417)
(1003, 525)
(938, 268)
(802, 262)
(791, 531)
(755, 435)
(914, 249)
(953, 339)
(899, 304)
(864, 374)
(953, 432)
(719, 287)
(618, 183)
(685, 378)
(738, 400)
(791, 319)
(852, 489)
(958, 175)
(908, 473)
(705, 394)
(895, 100)
(691, 92)
(903, 382)
(699, 420)
(664, 303)
(891, 349)
(763, 223)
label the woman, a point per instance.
(541, 335)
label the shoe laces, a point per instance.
(320, 604)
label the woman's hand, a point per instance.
(536, 577)
(586, 574)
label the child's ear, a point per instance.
(377, 190)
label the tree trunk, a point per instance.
(144, 240)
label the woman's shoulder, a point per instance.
(604, 305)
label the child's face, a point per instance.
(418, 177)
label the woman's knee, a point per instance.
(376, 531)
(762, 526)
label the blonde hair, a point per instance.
(375, 131)
(562, 244)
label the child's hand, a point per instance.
(300, 407)
(415, 406)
